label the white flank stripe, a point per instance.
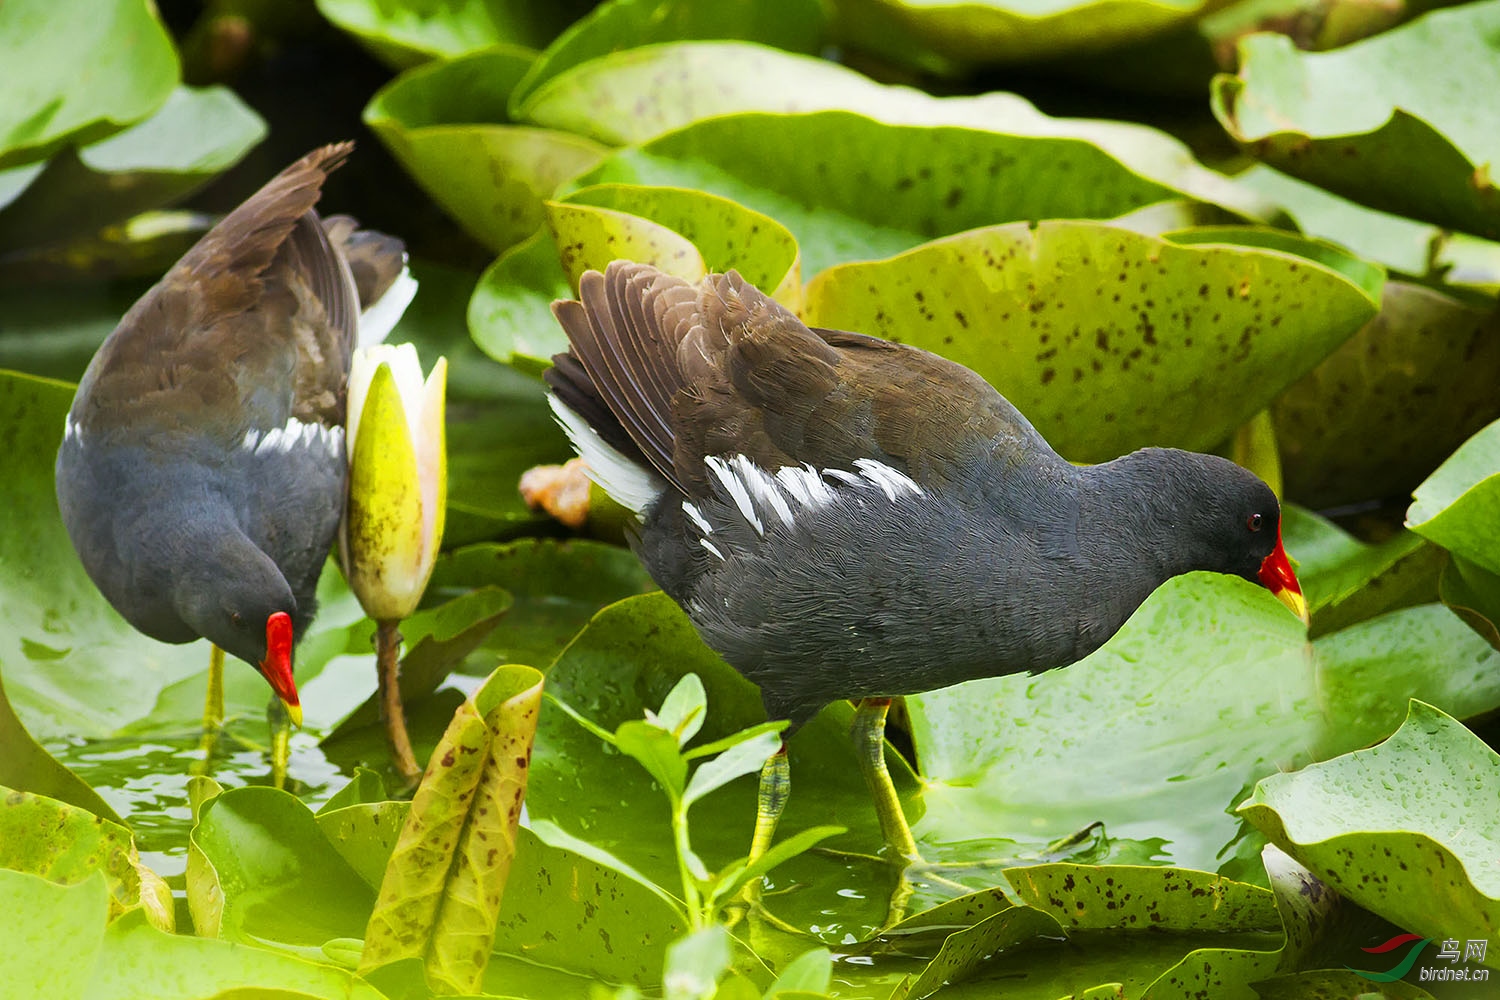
(887, 478)
(764, 488)
(631, 485)
(805, 485)
(294, 435)
(710, 546)
(737, 491)
(697, 517)
(847, 478)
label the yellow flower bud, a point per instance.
(398, 478)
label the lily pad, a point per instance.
(27, 767)
(1208, 687)
(1392, 402)
(192, 138)
(1458, 506)
(510, 315)
(67, 845)
(446, 123)
(1347, 581)
(406, 32)
(792, 25)
(48, 102)
(1398, 122)
(1405, 829)
(725, 234)
(557, 586)
(1075, 321)
(256, 852)
(897, 185)
(952, 39)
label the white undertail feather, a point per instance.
(377, 322)
(628, 483)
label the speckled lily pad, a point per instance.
(1406, 829)
(1106, 339)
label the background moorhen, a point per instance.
(845, 517)
(202, 471)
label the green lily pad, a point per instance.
(557, 586)
(406, 32)
(192, 138)
(27, 767)
(67, 845)
(1405, 829)
(1458, 505)
(591, 237)
(638, 94)
(1075, 321)
(1398, 122)
(510, 315)
(441, 895)
(49, 101)
(52, 952)
(897, 185)
(954, 39)
(261, 872)
(1472, 593)
(1208, 687)
(725, 234)
(446, 123)
(793, 25)
(1392, 402)
(1346, 580)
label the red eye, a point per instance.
(1253, 522)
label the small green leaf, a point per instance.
(696, 963)
(682, 712)
(741, 759)
(1458, 506)
(656, 750)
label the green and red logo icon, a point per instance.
(1402, 967)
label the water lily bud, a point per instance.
(398, 478)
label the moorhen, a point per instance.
(202, 470)
(846, 517)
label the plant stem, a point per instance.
(281, 741)
(388, 663)
(690, 893)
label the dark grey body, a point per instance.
(874, 597)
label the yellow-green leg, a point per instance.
(775, 786)
(213, 702)
(868, 731)
(281, 741)
(213, 712)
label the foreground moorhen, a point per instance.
(846, 517)
(202, 471)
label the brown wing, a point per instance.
(261, 302)
(718, 367)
